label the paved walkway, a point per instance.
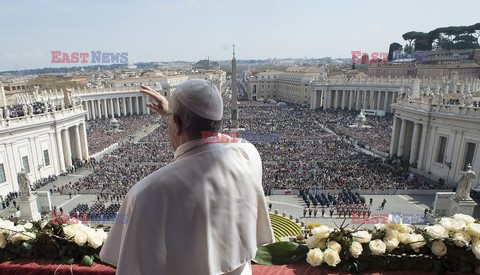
(406, 205)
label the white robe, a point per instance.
(204, 213)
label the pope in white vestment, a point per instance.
(204, 213)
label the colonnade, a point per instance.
(353, 99)
(112, 106)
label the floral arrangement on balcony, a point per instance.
(450, 244)
(71, 241)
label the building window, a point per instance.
(46, 158)
(469, 154)
(2, 174)
(442, 146)
(25, 164)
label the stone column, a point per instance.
(350, 101)
(59, 142)
(326, 98)
(99, 109)
(139, 105)
(364, 105)
(124, 104)
(385, 102)
(87, 109)
(414, 147)
(131, 105)
(77, 143)
(422, 148)
(401, 142)
(111, 107)
(333, 96)
(105, 108)
(313, 100)
(117, 101)
(67, 150)
(357, 103)
(84, 141)
(379, 100)
(147, 110)
(394, 140)
(92, 105)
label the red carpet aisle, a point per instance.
(49, 267)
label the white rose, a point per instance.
(7, 226)
(377, 247)
(473, 229)
(19, 228)
(439, 248)
(404, 228)
(80, 238)
(403, 238)
(437, 231)
(23, 236)
(95, 240)
(391, 233)
(321, 232)
(452, 225)
(356, 249)
(314, 242)
(3, 240)
(391, 243)
(416, 241)
(70, 231)
(466, 218)
(28, 226)
(380, 226)
(331, 257)
(461, 238)
(361, 237)
(334, 246)
(315, 257)
(476, 249)
(87, 230)
(102, 233)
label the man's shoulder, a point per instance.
(158, 180)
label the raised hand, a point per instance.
(161, 106)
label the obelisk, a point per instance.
(234, 106)
(3, 101)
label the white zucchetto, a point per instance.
(201, 97)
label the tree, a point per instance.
(408, 49)
(393, 48)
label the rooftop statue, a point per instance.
(465, 184)
(24, 185)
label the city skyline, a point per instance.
(194, 29)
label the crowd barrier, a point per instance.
(366, 192)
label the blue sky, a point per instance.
(197, 29)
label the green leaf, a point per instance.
(67, 260)
(27, 246)
(87, 260)
(280, 253)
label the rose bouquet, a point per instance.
(71, 241)
(450, 244)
